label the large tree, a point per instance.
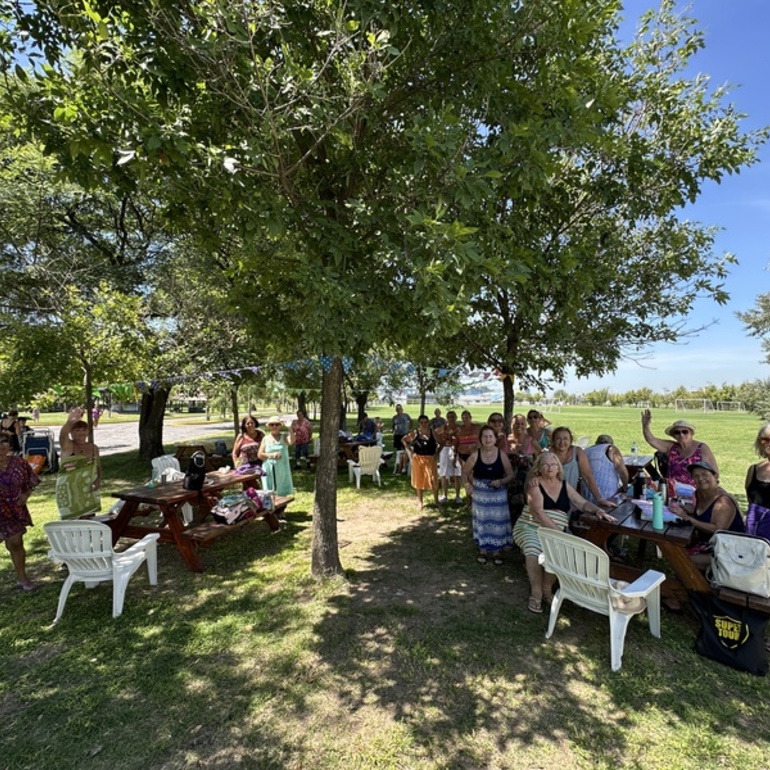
(358, 132)
(602, 262)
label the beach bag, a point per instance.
(196, 473)
(741, 562)
(730, 634)
(758, 520)
(234, 508)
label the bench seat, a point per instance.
(211, 530)
(752, 601)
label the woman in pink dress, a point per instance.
(17, 480)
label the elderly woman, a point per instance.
(681, 451)
(274, 453)
(710, 510)
(246, 447)
(17, 480)
(424, 448)
(549, 502)
(575, 465)
(485, 477)
(758, 487)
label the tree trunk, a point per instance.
(89, 400)
(151, 422)
(234, 404)
(361, 398)
(508, 400)
(325, 560)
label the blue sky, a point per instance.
(737, 52)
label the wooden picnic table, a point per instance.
(672, 541)
(636, 463)
(169, 499)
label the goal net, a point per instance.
(694, 405)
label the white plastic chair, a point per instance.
(584, 442)
(583, 570)
(407, 463)
(368, 464)
(85, 547)
(170, 463)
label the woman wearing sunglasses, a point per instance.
(682, 451)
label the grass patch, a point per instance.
(420, 658)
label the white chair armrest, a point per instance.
(141, 545)
(642, 586)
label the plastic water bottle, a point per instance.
(633, 450)
(657, 512)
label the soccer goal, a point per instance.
(550, 404)
(730, 406)
(694, 405)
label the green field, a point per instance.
(420, 658)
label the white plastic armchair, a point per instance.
(170, 463)
(368, 465)
(583, 570)
(85, 547)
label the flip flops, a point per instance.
(535, 605)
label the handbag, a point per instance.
(730, 634)
(741, 562)
(196, 473)
(758, 520)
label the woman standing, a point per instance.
(467, 437)
(423, 446)
(80, 471)
(274, 452)
(681, 451)
(520, 442)
(485, 477)
(575, 465)
(17, 480)
(402, 424)
(549, 501)
(10, 429)
(246, 447)
(758, 487)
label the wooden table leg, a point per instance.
(187, 547)
(690, 576)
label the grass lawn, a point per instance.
(420, 658)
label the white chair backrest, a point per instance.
(316, 446)
(369, 458)
(86, 546)
(583, 569)
(159, 464)
(584, 442)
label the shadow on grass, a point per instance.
(464, 665)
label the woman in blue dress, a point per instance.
(485, 476)
(274, 453)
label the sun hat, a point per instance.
(702, 464)
(274, 421)
(679, 424)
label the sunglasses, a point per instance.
(683, 432)
(764, 439)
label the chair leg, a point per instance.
(357, 472)
(65, 589)
(152, 563)
(618, 626)
(119, 585)
(555, 607)
(653, 612)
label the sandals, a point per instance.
(497, 561)
(482, 558)
(547, 598)
(535, 605)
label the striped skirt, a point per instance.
(491, 517)
(525, 532)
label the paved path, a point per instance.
(115, 437)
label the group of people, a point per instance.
(563, 479)
(270, 450)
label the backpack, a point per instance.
(741, 562)
(196, 473)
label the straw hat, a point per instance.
(680, 424)
(274, 421)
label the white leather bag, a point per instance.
(741, 562)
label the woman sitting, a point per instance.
(575, 465)
(549, 501)
(711, 509)
(681, 451)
